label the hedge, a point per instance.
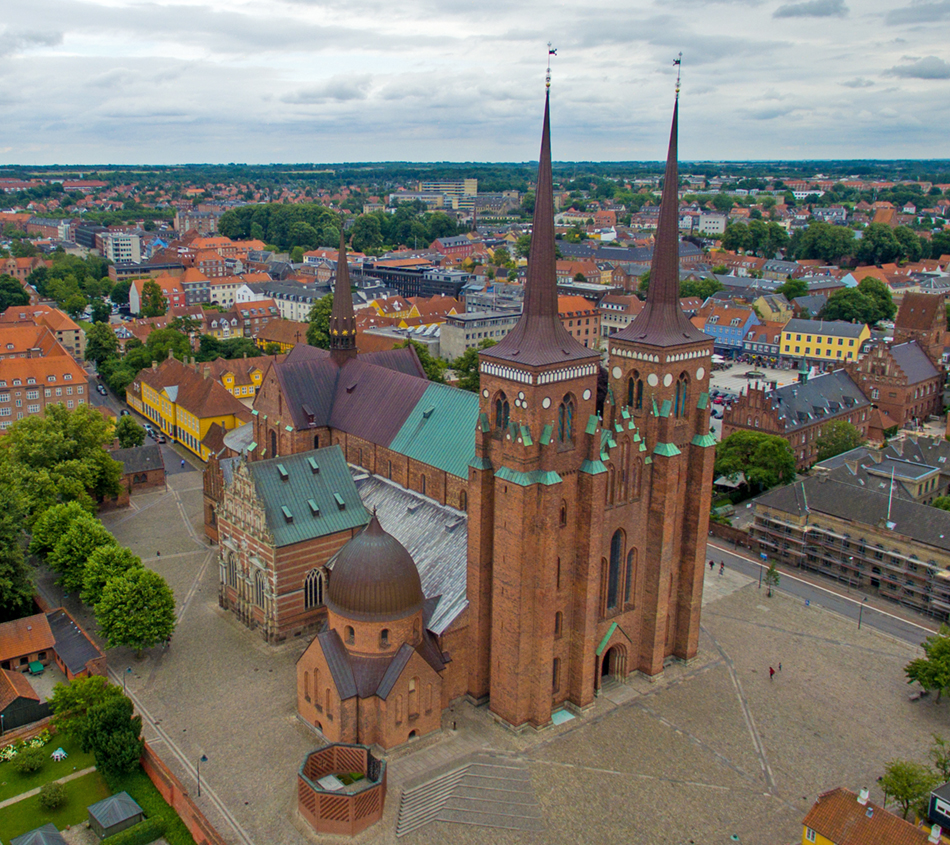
(141, 788)
(140, 834)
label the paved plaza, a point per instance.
(711, 750)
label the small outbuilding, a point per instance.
(45, 835)
(114, 814)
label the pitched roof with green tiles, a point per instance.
(440, 430)
(308, 495)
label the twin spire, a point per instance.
(342, 317)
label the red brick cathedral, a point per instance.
(586, 528)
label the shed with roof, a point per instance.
(45, 835)
(114, 814)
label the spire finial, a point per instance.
(552, 51)
(678, 64)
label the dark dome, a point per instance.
(374, 578)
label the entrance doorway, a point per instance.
(614, 663)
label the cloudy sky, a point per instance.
(128, 81)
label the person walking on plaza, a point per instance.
(711, 565)
(771, 673)
(182, 463)
(722, 566)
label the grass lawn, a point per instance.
(143, 791)
(12, 783)
(26, 815)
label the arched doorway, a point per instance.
(614, 663)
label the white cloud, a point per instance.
(812, 9)
(929, 67)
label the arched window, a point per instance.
(501, 412)
(611, 485)
(413, 698)
(329, 714)
(313, 589)
(259, 588)
(565, 420)
(232, 570)
(682, 392)
(384, 638)
(556, 675)
(613, 569)
(349, 635)
(559, 573)
(422, 484)
(558, 625)
(563, 514)
(389, 473)
(273, 444)
(306, 685)
(631, 579)
(316, 441)
(463, 501)
(635, 391)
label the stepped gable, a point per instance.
(662, 321)
(539, 339)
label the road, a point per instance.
(849, 606)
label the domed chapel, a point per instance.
(555, 543)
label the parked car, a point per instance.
(123, 413)
(160, 438)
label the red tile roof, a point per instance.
(28, 635)
(839, 817)
(14, 685)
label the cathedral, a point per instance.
(516, 546)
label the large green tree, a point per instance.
(52, 524)
(16, 576)
(932, 671)
(836, 437)
(71, 702)
(137, 609)
(318, 330)
(12, 293)
(907, 782)
(114, 735)
(823, 241)
(154, 303)
(764, 459)
(878, 245)
(792, 289)
(68, 557)
(129, 433)
(101, 343)
(120, 292)
(466, 365)
(104, 564)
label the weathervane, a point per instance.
(552, 51)
(678, 64)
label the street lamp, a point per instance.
(861, 612)
(201, 759)
(125, 675)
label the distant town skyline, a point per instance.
(279, 81)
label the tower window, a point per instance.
(313, 589)
(558, 625)
(501, 412)
(565, 421)
(556, 675)
(613, 570)
(635, 391)
(349, 635)
(682, 391)
(384, 638)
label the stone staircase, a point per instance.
(487, 791)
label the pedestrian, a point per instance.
(182, 463)
(712, 565)
(780, 667)
(771, 673)
(722, 566)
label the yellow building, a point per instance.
(394, 306)
(241, 377)
(773, 308)
(839, 817)
(823, 340)
(186, 405)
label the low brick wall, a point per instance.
(733, 535)
(26, 732)
(180, 801)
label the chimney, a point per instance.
(154, 365)
(863, 796)
(170, 354)
(207, 371)
(935, 832)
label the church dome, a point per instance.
(374, 578)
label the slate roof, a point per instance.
(925, 524)
(822, 396)
(293, 481)
(435, 535)
(914, 362)
(45, 835)
(838, 817)
(114, 809)
(142, 458)
(73, 647)
(835, 328)
(813, 303)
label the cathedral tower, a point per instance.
(342, 318)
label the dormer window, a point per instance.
(67, 377)
(17, 382)
(31, 380)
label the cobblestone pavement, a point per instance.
(711, 749)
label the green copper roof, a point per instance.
(606, 639)
(703, 401)
(483, 423)
(593, 467)
(643, 446)
(704, 440)
(439, 430)
(591, 424)
(667, 449)
(526, 479)
(667, 407)
(647, 460)
(625, 413)
(480, 463)
(526, 436)
(286, 485)
(546, 434)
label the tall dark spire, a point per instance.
(539, 338)
(342, 317)
(662, 321)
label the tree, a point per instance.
(501, 257)
(880, 295)
(792, 289)
(129, 433)
(101, 343)
(764, 459)
(318, 331)
(434, 367)
(907, 782)
(104, 564)
(162, 341)
(366, 234)
(523, 246)
(851, 305)
(72, 702)
(823, 241)
(75, 304)
(942, 502)
(723, 203)
(772, 578)
(932, 672)
(836, 437)
(53, 524)
(911, 248)
(68, 557)
(940, 757)
(272, 349)
(704, 288)
(52, 795)
(29, 760)
(466, 365)
(137, 609)
(100, 312)
(114, 736)
(16, 576)
(878, 245)
(12, 293)
(154, 303)
(940, 244)
(120, 292)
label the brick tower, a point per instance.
(342, 317)
(659, 375)
(538, 391)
